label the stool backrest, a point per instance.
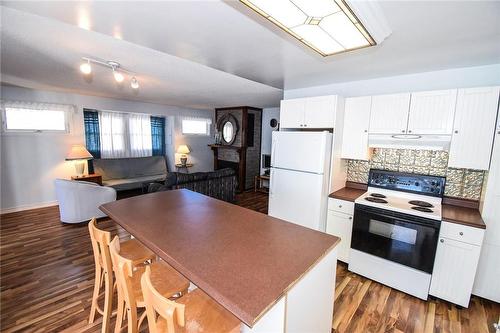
(123, 268)
(100, 245)
(155, 304)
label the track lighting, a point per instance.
(134, 83)
(85, 67)
(118, 71)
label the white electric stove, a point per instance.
(396, 228)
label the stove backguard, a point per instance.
(407, 182)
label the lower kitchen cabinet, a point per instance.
(456, 263)
(340, 224)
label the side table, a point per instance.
(258, 183)
(185, 167)
(93, 178)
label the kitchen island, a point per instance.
(273, 275)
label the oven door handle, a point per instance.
(436, 224)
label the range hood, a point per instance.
(410, 141)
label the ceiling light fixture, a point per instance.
(327, 26)
(85, 67)
(134, 83)
(116, 68)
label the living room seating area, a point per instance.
(220, 184)
(130, 173)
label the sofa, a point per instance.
(130, 173)
(220, 184)
(79, 201)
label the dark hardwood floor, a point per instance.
(47, 274)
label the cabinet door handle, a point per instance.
(350, 217)
(461, 233)
(305, 125)
(402, 131)
(441, 240)
(301, 125)
(456, 131)
(409, 131)
(366, 131)
(340, 206)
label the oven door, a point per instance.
(405, 239)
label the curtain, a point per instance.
(158, 136)
(125, 135)
(112, 134)
(92, 134)
(139, 134)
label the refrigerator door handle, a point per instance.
(274, 143)
(271, 182)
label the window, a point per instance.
(116, 135)
(196, 126)
(35, 117)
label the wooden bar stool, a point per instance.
(193, 313)
(132, 249)
(169, 282)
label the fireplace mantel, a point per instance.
(241, 162)
(226, 147)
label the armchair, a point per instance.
(79, 200)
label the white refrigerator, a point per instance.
(300, 177)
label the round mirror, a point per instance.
(227, 131)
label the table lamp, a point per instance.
(79, 154)
(183, 149)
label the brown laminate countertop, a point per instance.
(347, 193)
(450, 213)
(244, 260)
(462, 215)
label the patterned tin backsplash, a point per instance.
(460, 183)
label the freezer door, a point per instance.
(297, 197)
(301, 151)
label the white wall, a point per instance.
(31, 162)
(267, 130)
(445, 79)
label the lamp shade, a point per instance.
(78, 152)
(183, 149)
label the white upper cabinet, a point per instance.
(310, 112)
(320, 112)
(356, 124)
(389, 114)
(474, 128)
(292, 113)
(431, 112)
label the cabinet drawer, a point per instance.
(341, 206)
(462, 233)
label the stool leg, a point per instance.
(132, 320)
(119, 313)
(95, 295)
(108, 301)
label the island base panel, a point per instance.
(307, 306)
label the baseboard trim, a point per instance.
(28, 207)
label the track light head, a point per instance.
(134, 83)
(85, 67)
(118, 76)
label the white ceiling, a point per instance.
(215, 53)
